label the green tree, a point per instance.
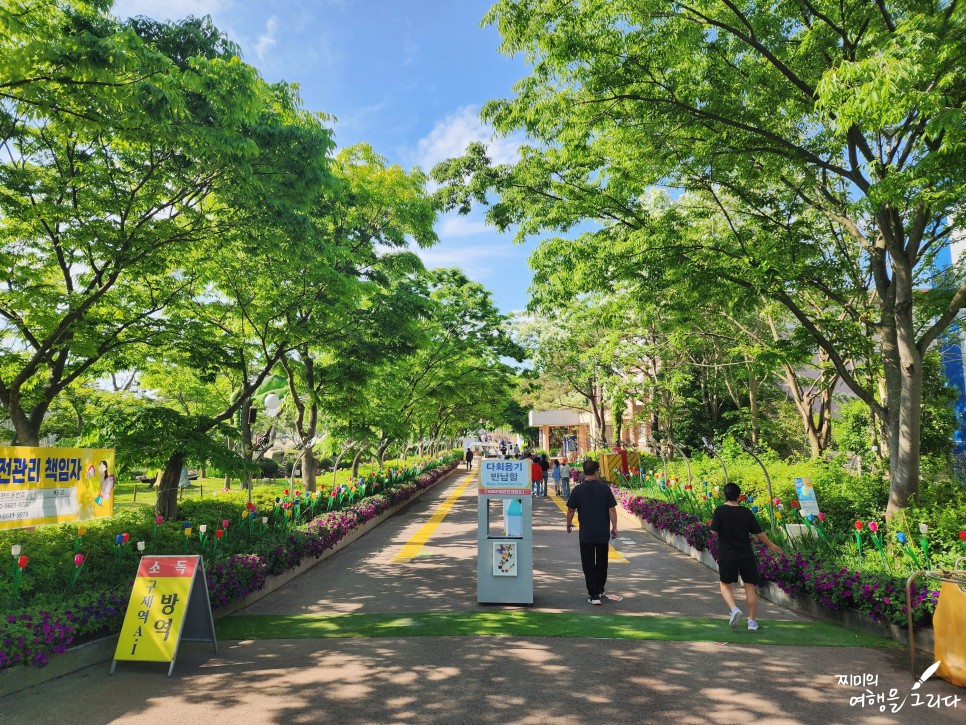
(829, 134)
(108, 182)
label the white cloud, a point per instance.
(450, 137)
(461, 226)
(167, 9)
(479, 261)
(266, 41)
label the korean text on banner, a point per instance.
(156, 611)
(500, 477)
(53, 485)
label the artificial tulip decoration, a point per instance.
(924, 544)
(877, 542)
(20, 563)
(909, 551)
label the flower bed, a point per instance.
(31, 637)
(834, 587)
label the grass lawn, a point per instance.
(543, 624)
(129, 495)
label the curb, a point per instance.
(850, 618)
(102, 650)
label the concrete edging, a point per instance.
(851, 618)
(102, 650)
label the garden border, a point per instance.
(850, 618)
(101, 650)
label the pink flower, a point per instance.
(873, 526)
(78, 559)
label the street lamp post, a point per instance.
(750, 450)
(687, 461)
(713, 451)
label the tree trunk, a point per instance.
(355, 462)
(381, 453)
(906, 415)
(753, 384)
(25, 433)
(309, 469)
(167, 502)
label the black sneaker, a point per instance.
(594, 600)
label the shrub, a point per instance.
(45, 621)
(834, 587)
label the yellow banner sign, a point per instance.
(169, 599)
(54, 485)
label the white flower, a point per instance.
(140, 546)
(923, 529)
(15, 550)
(203, 528)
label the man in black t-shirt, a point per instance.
(595, 505)
(734, 524)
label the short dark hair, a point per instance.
(732, 491)
(591, 467)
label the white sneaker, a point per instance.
(735, 616)
(752, 625)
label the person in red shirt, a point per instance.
(536, 475)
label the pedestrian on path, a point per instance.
(565, 478)
(596, 507)
(734, 524)
(544, 470)
(536, 475)
(555, 475)
(469, 459)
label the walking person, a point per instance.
(555, 475)
(734, 524)
(545, 471)
(536, 475)
(565, 478)
(469, 459)
(596, 508)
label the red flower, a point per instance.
(742, 497)
(962, 535)
(285, 492)
(125, 537)
(22, 561)
(794, 504)
(158, 520)
(858, 525)
(78, 559)
(219, 533)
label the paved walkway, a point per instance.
(487, 679)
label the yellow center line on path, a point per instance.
(412, 547)
(613, 555)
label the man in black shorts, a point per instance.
(733, 524)
(596, 507)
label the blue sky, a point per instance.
(406, 76)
